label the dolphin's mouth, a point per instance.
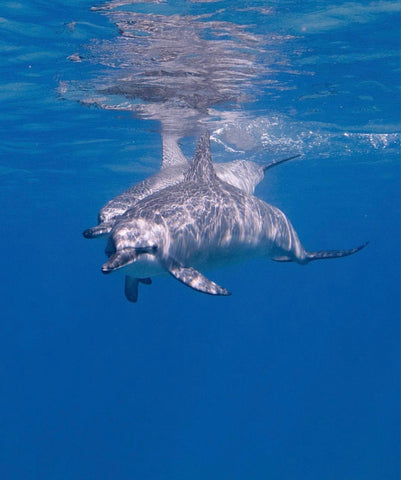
(119, 259)
(125, 257)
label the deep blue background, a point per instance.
(296, 375)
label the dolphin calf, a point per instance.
(243, 174)
(197, 224)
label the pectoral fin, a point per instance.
(192, 278)
(131, 287)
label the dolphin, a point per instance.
(243, 174)
(198, 224)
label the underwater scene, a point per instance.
(170, 170)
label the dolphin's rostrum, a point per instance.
(200, 223)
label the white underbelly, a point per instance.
(145, 266)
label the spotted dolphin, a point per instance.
(200, 223)
(243, 174)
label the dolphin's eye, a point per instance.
(150, 249)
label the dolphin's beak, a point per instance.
(99, 231)
(120, 259)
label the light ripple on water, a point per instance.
(192, 71)
(173, 68)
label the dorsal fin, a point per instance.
(172, 154)
(202, 166)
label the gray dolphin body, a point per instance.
(243, 174)
(200, 223)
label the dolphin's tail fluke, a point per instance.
(326, 254)
(273, 163)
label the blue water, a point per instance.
(296, 375)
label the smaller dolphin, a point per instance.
(243, 174)
(198, 224)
